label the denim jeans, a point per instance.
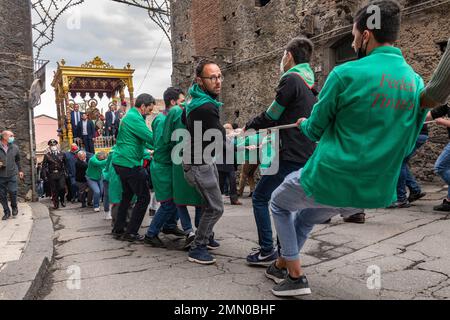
(106, 195)
(295, 215)
(97, 188)
(185, 218)
(442, 166)
(206, 180)
(261, 197)
(406, 178)
(166, 212)
(8, 185)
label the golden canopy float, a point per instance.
(92, 78)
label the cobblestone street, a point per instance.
(410, 246)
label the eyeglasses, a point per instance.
(214, 79)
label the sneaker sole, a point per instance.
(261, 264)
(292, 293)
(275, 279)
(201, 262)
(212, 248)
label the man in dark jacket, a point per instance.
(71, 158)
(86, 131)
(295, 98)
(54, 169)
(9, 169)
(203, 111)
(111, 119)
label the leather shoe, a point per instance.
(6, 217)
(356, 218)
(15, 212)
(236, 203)
(132, 237)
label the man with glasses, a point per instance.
(203, 114)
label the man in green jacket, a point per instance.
(133, 137)
(367, 121)
(165, 219)
(94, 177)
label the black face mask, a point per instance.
(362, 53)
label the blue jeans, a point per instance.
(185, 218)
(442, 166)
(261, 197)
(166, 212)
(106, 195)
(97, 188)
(406, 178)
(295, 215)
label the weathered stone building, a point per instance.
(16, 77)
(247, 38)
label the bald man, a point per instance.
(9, 169)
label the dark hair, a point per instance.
(172, 93)
(144, 99)
(390, 20)
(235, 126)
(201, 66)
(301, 49)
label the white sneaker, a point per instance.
(96, 209)
(108, 215)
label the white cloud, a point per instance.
(118, 33)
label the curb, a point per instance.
(22, 279)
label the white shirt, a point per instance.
(85, 131)
(113, 117)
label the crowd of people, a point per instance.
(348, 151)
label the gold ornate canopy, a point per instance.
(92, 77)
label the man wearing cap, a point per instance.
(54, 169)
(9, 168)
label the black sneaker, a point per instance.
(189, 239)
(132, 237)
(359, 218)
(6, 217)
(154, 242)
(275, 274)
(400, 205)
(15, 212)
(117, 234)
(201, 255)
(291, 288)
(416, 196)
(445, 206)
(176, 232)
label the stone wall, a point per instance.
(252, 39)
(16, 76)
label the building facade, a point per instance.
(247, 38)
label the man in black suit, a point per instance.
(86, 131)
(111, 118)
(75, 118)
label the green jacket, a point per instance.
(134, 136)
(161, 166)
(183, 192)
(95, 168)
(367, 120)
(105, 172)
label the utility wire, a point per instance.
(151, 64)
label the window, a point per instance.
(261, 3)
(343, 51)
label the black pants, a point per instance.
(231, 182)
(134, 182)
(88, 144)
(57, 186)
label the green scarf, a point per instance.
(305, 72)
(197, 97)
